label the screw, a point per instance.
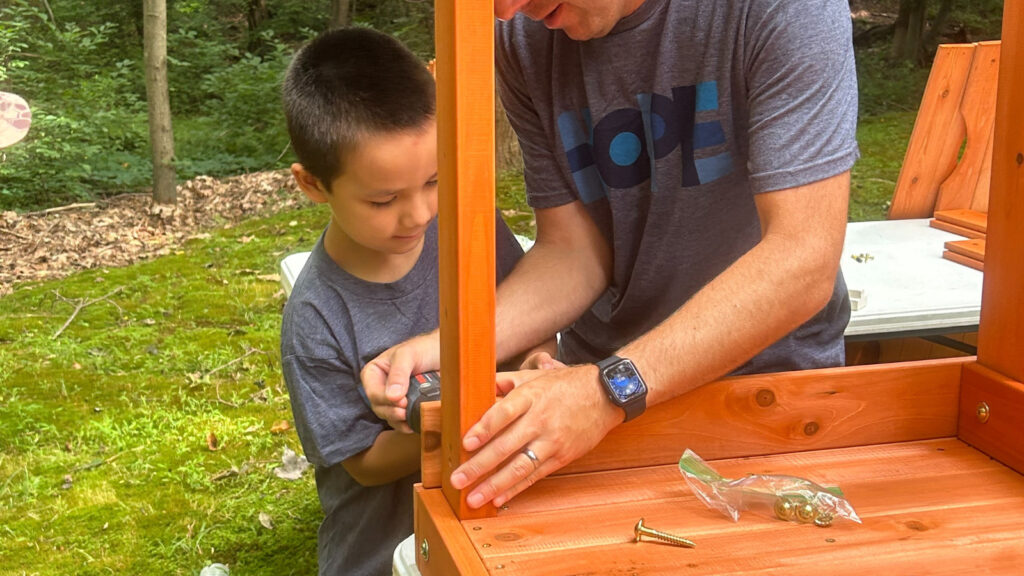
(641, 530)
(982, 412)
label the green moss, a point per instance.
(123, 400)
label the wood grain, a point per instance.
(978, 112)
(449, 549)
(430, 444)
(980, 200)
(1002, 435)
(790, 411)
(974, 248)
(965, 260)
(1001, 332)
(972, 219)
(937, 136)
(955, 229)
(785, 412)
(917, 500)
(465, 117)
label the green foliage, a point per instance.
(981, 19)
(410, 22)
(885, 85)
(225, 65)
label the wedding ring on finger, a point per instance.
(532, 456)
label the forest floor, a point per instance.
(125, 229)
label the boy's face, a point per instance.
(386, 195)
(579, 19)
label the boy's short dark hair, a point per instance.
(347, 83)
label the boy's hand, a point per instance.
(385, 379)
(541, 360)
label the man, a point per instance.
(688, 162)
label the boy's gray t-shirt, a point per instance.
(333, 324)
(666, 128)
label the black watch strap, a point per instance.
(634, 406)
(603, 364)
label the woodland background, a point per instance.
(144, 426)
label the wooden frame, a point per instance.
(930, 453)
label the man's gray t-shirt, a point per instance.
(666, 128)
(333, 324)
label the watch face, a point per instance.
(624, 380)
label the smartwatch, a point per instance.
(624, 385)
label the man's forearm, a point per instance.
(555, 282)
(771, 290)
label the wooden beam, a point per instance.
(978, 112)
(465, 116)
(992, 415)
(1001, 331)
(938, 133)
(447, 549)
(775, 413)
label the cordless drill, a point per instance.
(422, 388)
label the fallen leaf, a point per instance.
(211, 441)
(68, 482)
(280, 426)
(292, 465)
(266, 521)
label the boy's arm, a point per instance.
(392, 456)
(540, 356)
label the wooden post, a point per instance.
(1001, 334)
(465, 116)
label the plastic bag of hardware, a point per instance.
(788, 498)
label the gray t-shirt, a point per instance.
(666, 128)
(333, 324)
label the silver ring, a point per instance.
(532, 456)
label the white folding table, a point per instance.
(908, 288)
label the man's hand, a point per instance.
(385, 379)
(559, 414)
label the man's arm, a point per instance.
(775, 287)
(565, 271)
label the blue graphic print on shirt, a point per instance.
(620, 150)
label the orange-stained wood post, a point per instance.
(465, 117)
(1001, 333)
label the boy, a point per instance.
(360, 112)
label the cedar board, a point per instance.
(973, 248)
(974, 220)
(920, 503)
(954, 229)
(965, 260)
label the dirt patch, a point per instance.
(125, 229)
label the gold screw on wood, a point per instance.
(982, 411)
(641, 530)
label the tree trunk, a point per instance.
(256, 13)
(161, 137)
(339, 13)
(909, 33)
(939, 24)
